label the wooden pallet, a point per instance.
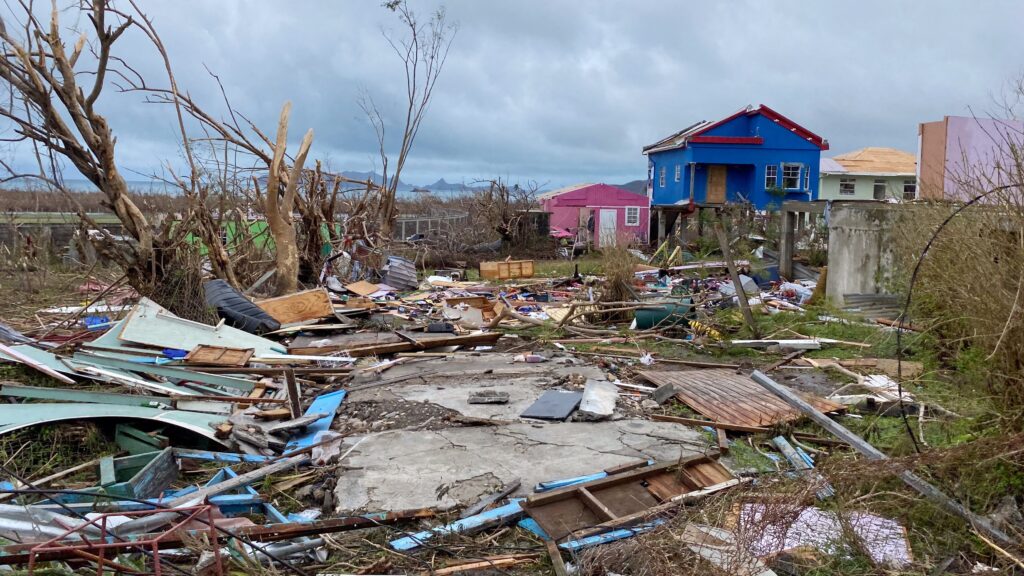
(727, 397)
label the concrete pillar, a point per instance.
(661, 225)
(786, 244)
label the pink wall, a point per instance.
(565, 208)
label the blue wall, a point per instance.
(746, 164)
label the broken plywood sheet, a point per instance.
(152, 325)
(724, 396)
(299, 307)
(362, 288)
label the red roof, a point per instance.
(680, 138)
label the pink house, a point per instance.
(616, 213)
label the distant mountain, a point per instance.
(636, 186)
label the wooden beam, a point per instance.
(293, 393)
(979, 523)
(595, 505)
(741, 295)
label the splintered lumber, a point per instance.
(299, 307)
(487, 563)
(741, 296)
(979, 523)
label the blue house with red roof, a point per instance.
(754, 156)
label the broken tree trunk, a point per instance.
(741, 295)
(279, 205)
(979, 523)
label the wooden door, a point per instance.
(608, 227)
(716, 185)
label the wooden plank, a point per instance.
(723, 441)
(979, 523)
(219, 355)
(299, 307)
(294, 399)
(557, 563)
(595, 505)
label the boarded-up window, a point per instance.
(847, 186)
(632, 215)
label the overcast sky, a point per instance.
(561, 91)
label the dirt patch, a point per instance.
(813, 381)
(391, 414)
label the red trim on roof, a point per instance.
(727, 140)
(793, 126)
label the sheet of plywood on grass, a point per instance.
(299, 307)
(724, 396)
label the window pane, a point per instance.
(791, 176)
(879, 189)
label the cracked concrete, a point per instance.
(404, 469)
(449, 382)
(413, 468)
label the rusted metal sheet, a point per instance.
(728, 397)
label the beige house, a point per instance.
(869, 174)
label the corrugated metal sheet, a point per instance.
(400, 273)
(17, 416)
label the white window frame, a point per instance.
(679, 172)
(661, 177)
(847, 180)
(631, 222)
(799, 172)
(913, 185)
(885, 188)
(771, 176)
(807, 179)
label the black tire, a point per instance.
(237, 310)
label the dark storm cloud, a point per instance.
(560, 91)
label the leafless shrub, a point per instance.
(970, 285)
